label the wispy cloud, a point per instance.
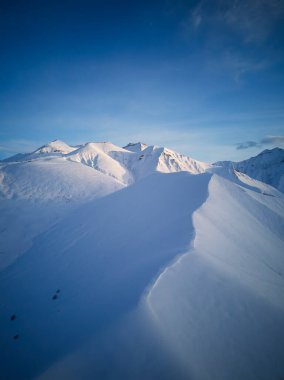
(234, 31)
(248, 144)
(253, 20)
(267, 140)
(272, 140)
(239, 65)
(192, 21)
(196, 16)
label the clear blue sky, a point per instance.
(205, 78)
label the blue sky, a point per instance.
(202, 77)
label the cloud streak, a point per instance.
(267, 140)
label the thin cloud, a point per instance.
(267, 140)
(272, 140)
(192, 21)
(196, 17)
(239, 65)
(252, 19)
(247, 145)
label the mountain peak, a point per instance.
(55, 146)
(135, 147)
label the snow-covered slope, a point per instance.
(53, 179)
(68, 176)
(220, 307)
(35, 194)
(267, 166)
(178, 276)
(104, 157)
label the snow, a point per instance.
(220, 306)
(135, 161)
(55, 146)
(135, 147)
(163, 267)
(267, 166)
(102, 262)
(35, 194)
(68, 176)
(101, 156)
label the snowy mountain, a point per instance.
(135, 147)
(126, 165)
(55, 148)
(129, 263)
(267, 166)
(70, 176)
(135, 161)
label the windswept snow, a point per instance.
(178, 276)
(102, 257)
(220, 307)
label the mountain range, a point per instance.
(140, 263)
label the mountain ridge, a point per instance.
(267, 166)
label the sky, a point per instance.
(205, 78)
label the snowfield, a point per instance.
(138, 263)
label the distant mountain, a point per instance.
(267, 166)
(55, 148)
(45, 185)
(127, 165)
